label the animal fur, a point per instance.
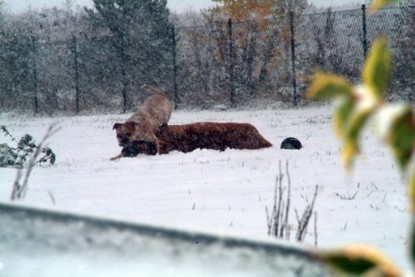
(143, 125)
(201, 135)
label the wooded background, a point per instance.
(95, 60)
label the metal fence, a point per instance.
(220, 63)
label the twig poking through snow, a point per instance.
(278, 218)
(315, 230)
(20, 186)
(305, 219)
(52, 198)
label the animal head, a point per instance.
(125, 133)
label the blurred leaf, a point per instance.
(411, 192)
(350, 150)
(412, 232)
(350, 118)
(400, 133)
(402, 142)
(355, 127)
(359, 260)
(396, 125)
(378, 4)
(359, 116)
(377, 69)
(342, 112)
(327, 86)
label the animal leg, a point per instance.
(119, 156)
(157, 144)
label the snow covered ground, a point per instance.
(224, 192)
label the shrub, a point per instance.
(19, 155)
(26, 156)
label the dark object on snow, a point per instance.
(129, 152)
(291, 143)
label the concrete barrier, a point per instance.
(36, 242)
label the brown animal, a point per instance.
(143, 125)
(201, 135)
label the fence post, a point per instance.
(175, 95)
(231, 64)
(124, 72)
(34, 75)
(364, 31)
(293, 72)
(75, 56)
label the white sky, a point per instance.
(177, 5)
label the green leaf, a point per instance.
(343, 109)
(411, 193)
(327, 86)
(351, 147)
(402, 140)
(355, 267)
(412, 235)
(359, 260)
(398, 129)
(351, 116)
(377, 69)
(350, 150)
(52, 158)
(358, 119)
(4, 129)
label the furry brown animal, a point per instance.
(143, 125)
(200, 135)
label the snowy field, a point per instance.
(221, 192)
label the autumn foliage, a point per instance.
(249, 38)
(241, 11)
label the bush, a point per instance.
(19, 155)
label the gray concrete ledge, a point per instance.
(36, 242)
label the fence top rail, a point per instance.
(340, 11)
(368, 8)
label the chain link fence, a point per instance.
(219, 64)
(339, 41)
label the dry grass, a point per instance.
(278, 219)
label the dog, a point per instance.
(201, 135)
(143, 125)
